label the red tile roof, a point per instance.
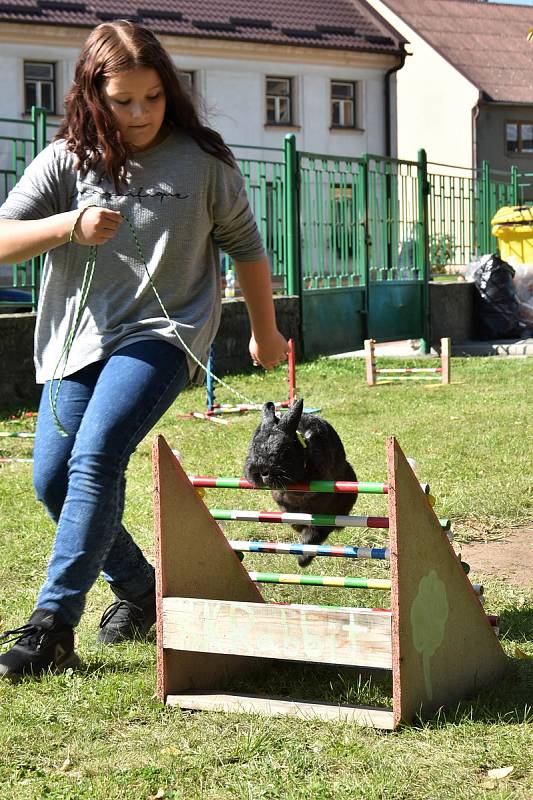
(337, 24)
(486, 42)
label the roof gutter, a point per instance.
(388, 75)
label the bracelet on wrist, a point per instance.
(79, 215)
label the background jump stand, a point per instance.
(213, 625)
(375, 375)
(214, 408)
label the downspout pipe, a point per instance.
(388, 75)
(475, 116)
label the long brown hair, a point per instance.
(89, 127)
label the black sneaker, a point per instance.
(127, 619)
(44, 643)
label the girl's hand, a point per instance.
(269, 351)
(96, 225)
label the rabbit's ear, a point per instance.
(289, 421)
(269, 415)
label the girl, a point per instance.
(134, 173)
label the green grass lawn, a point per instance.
(100, 733)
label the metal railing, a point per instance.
(326, 221)
(20, 141)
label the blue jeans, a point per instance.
(107, 409)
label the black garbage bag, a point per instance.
(496, 303)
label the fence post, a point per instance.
(367, 242)
(38, 118)
(514, 187)
(422, 246)
(485, 208)
(291, 222)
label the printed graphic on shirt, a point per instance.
(140, 194)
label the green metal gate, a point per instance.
(363, 246)
(332, 252)
(397, 248)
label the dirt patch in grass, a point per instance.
(509, 557)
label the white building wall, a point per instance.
(233, 93)
(434, 101)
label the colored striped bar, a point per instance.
(327, 487)
(330, 580)
(227, 408)
(220, 407)
(332, 551)
(330, 487)
(240, 515)
(201, 415)
(409, 370)
(320, 580)
(338, 521)
(407, 378)
(19, 435)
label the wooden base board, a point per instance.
(342, 636)
(366, 716)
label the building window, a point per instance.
(188, 80)
(39, 86)
(519, 137)
(342, 104)
(279, 101)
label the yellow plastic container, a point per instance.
(513, 227)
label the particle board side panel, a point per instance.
(193, 559)
(443, 645)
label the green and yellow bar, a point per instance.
(320, 580)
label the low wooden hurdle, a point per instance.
(16, 435)
(214, 409)
(375, 375)
(213, 624)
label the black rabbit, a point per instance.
(298, 448)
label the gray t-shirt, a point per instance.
(183, 205)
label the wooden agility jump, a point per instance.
(214, 409)
(214, 625)
(375, 374)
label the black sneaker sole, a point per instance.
(71, 662)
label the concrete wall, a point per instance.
(452, 311)
(17, 385)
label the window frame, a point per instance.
(341, 100)
(188, 78)
(39, 82)
(289, 96)
(519, 124)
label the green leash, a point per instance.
(85, 287)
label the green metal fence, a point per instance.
(373, 228)
(461, 206)
(20, 141)
(265, 181)
(331, 192)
